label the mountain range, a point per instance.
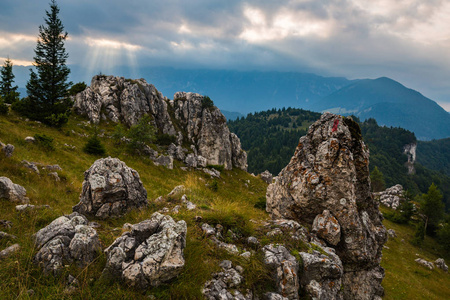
(238, 93)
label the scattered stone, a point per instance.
(230, 248)
(54, 175)
(191, 161)
(208, 230)
(4, 235)
(110, 189)
(67, 239)
(212, 172)
(72, 285)
(285, 270)
(440, 263)
(159, 199)
(176, 190)
(69, 146)
(246, 254)
(26, 207)
(330, 171)
(190, 205)
(253, 241)
(276, 231)
(30, 165)
(8, 150)
(391, 233)
(30, 139)
(9, 251)
(391, 197)
(12, 192)
(198, 218)
(327, 228)
(164, 210)
(267, 176)
(166, 161)
(225, 284)
(53, 168)
(201, 161)
(176, 209)
(150, 254)
(6, 223)
(424, 263)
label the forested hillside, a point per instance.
(435, 155)
(270, 138)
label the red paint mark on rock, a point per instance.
(335, 125)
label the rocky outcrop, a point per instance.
(110, 189)
(149, 254)
(65, 240)
(187, 117)
(410, 151)
(440, 263)
(330, 171)
(12, 192)
(391, 197)
(267, 176)
(225, 284)
(425, 263)
(9, 251)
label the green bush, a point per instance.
(219, 168)
(165, 139)
(76, 88)
(419, 234)
(3, 108)
(214, 186)
(44, 141)
(207, 102)
(94, 146)
(261, 204)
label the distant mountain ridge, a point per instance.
(391, 104)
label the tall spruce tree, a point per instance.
(48, 99)
(7, 91)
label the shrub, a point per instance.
(419, 234)
(44, 141)
(261, 203)
(141, 134)
(214, 186)
(3, 108)
(165, 139)
(94, 146)
(207, 102)
(76, 88)
(219, 168)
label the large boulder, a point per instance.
(110, 189)
(12, 192)
(65, 240)
(186, 117)
(330, 171)
(149, 254)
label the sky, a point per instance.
(406, 40)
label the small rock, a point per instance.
(9, 251)
(8, 150)
(253, 241)
(166, 161)
(208, 229)
(165, 210)
(190, 205)
(53, 168)
(159, 199)
(25, 207)
(212, 172)
(424, 263)
(54, 175)
(127, 226)
(12, 192)
(273, 296)
(267, 176)
(176, 209)
(246, 254)
(30, 139)
(6, 223)
(4, 235)
(440, 263)
(276, 231)
(30, 165)
(176, 190)
(30, 292)
(391, 233)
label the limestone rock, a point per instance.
(110, 189)
(150, 254)
(391, 233)
(30, 165)
(330, 171)
(9, 251)
(4, 235)
(8, 150)
(285, 268)
(327, 227)
(119, 99)
(273, 296)
(176, 190)
(166, 161)
(30, 139)
(424, 263)
(267, 176)
(440, 263)
(12, 192)
(225, 284)
(66, 239)
(212, 172)
(391, 197)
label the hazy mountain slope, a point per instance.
(391, 104)
(435, 155)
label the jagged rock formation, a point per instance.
(225, 284)
(66, 239)
(267, 176)
(12, 192)
(410, 151)
(330, 171)
(391, 197)
(110, 189)
(186, 117)
(149, 254)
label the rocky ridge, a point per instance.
(189, 117)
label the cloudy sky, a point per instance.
(407, 40)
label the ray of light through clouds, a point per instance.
(407, 40)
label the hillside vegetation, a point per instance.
(235, 201)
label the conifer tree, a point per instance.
(48, 100)
(7, 91)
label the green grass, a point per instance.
(406, 279)
(232, 205)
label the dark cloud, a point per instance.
(405, 40)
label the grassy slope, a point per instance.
(232, 206)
